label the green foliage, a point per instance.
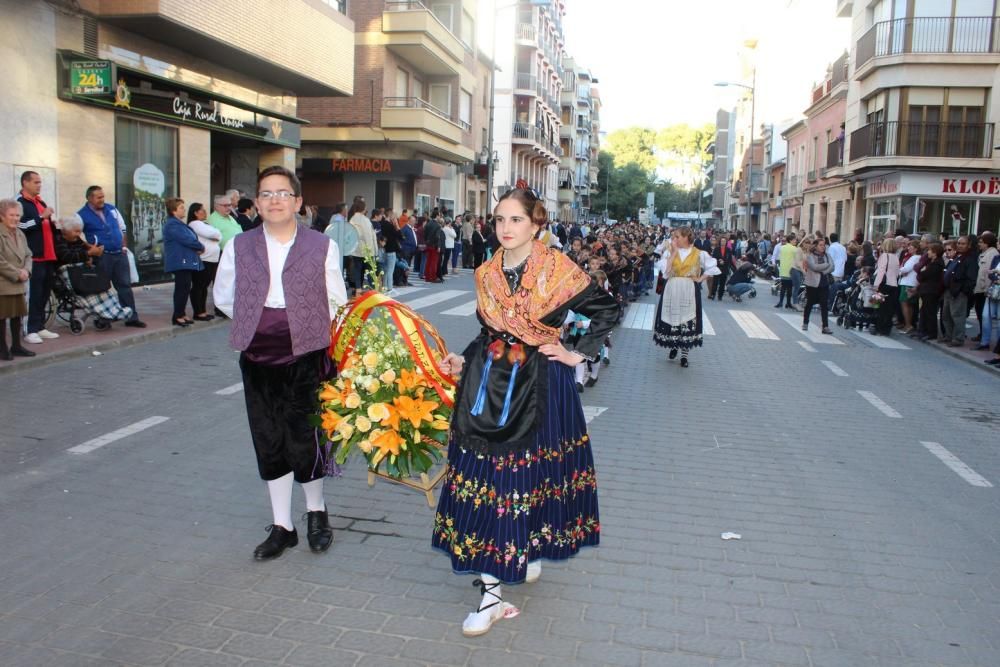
(633, 156)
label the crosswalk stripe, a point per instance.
(813, 334)
(806, 346)
(706, 326)
(752, 325)
(464, 310)
(403, 291)
(639, 316)
(436, 297)
(883, 342)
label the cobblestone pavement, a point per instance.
(859, 547)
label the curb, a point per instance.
(954, 353)
(119, 343)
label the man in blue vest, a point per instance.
(103, 225)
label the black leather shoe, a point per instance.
(673, 353)
(21, 352)
(684, 362)
(5, 354)
(276, 543)
(318, 531)
(136, 324)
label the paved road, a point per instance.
(859, 547)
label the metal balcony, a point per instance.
(961, 35)
(941, 140)
(412, 113)
(834, 154)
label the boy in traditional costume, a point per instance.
(521, 485)
(282, 285)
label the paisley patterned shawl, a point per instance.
(550, 280)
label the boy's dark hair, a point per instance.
(278, 170)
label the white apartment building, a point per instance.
(922, 106)
(528, 86)
(579, 141)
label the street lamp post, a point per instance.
(753, 108)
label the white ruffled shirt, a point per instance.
(679, 304)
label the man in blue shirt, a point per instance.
(103, 225)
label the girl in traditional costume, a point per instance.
(520, 484)
(678, 315)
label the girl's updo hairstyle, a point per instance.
(533, 206)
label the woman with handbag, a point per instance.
(886, 282)
(816, 269)
(15, 269)
(181, 256)
(208, 236)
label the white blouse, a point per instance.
(224, 291)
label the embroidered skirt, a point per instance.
(498, 512)
(683, 336)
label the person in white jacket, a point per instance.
(209, 236)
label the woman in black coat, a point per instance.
(478, 246)
(929, 287)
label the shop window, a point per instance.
(989, 217)
(145, 175)
(940, 215)
(423, 205)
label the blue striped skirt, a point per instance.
(498, 512)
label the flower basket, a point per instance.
(391, 402)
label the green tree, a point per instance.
(634, 145)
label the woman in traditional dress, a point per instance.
(520, 484)
(678, 316)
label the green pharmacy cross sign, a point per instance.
(92, 77)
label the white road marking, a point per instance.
(108, 438)
(706, 325)
(956, 464)
(885, 342)
(879, 404)
(592, 412)
(752, 325)
(813, 334)
(649, 317)
(806, 346)
(639, 316)
(436, 297)
(464, 310)
(403, 291)
(231, 389)
(835, 369)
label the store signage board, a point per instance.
(92, 77)
(935, 185)
(134, 92)
(374, 166)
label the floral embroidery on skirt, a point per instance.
(497, 513)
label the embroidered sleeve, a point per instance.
(709, 265)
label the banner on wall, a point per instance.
(148, 212)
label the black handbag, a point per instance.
(87, 280)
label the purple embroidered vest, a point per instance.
(304, 280)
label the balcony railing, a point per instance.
(973, 34)
(895, 138)
(527, 32)
(417, 103)
(524, 81)
(794, 187)
(834, 154)
(811, 176)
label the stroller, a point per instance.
(858, 309)
(75, 309)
